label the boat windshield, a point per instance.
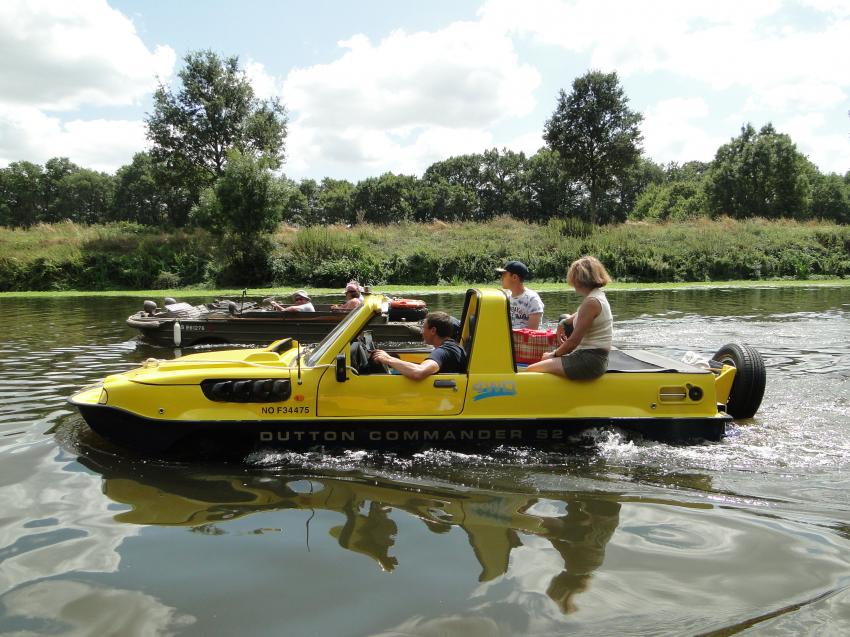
(326, 342)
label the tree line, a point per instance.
(215, 150)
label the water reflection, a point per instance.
(577, 525)
(67, 607)
(56, 525)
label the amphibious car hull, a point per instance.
(154, 435)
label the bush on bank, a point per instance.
(69, 256)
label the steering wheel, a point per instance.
(359, 357)
(367, 345)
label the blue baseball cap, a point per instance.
(515, 267)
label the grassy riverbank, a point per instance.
(407, 290)
(409, 257)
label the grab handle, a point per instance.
(445, 384)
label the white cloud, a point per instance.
(358, 152)
(838, 8)
(61, 55)
(28, 133)
(726, 43)
(673, 131)
(264, 84)
(800, 96)
(636, 34)
(529, 143)
(829, 151)
(409, 100)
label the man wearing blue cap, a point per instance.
(526, 305)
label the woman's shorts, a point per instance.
(584, 364)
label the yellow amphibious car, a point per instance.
(330, 395)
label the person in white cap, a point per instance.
(300, 303)
(353, 298)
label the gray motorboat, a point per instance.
(225, 321)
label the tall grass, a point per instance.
(67, 256)
(125, 256)
(700, 250)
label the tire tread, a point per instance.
(750, 379)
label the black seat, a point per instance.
(467, 342)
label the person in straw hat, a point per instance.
(300, 303)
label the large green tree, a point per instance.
(56, 170)
(461, 170)
(213, 112)
(440, 200)
(21, 194)
(629, 184)
(597, 136)
(138, 193)
(241, 210)
(504, 189)
(454, 187)
(246, 203)
(831, 198)
(386, 199)
(85, 196)
(551, 193)
(760, 174)
(335, 201)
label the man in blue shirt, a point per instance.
(447, 357)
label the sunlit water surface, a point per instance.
(619, 536)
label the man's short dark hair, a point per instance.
(441, 322)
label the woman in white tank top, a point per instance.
(584, 353)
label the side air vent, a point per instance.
(247, 390)
(672, 394)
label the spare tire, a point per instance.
(748, 386)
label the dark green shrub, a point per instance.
(165, 281)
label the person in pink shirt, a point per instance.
(353, 298)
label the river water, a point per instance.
(616, 537)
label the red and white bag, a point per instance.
(529, 345)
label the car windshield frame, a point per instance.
(325, 344)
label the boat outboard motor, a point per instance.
(232, 308)
(150, 307)
(169, 301)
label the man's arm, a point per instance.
(414, 371)
(534, 320)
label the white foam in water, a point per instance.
(614, 444)
(444, 457)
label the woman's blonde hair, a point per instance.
(588, 272)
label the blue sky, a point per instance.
(377, 86)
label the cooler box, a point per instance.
(529, 345)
